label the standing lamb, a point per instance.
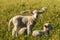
(46, 29)
(24, 21)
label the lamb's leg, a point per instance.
(14, 31)
(28, 29)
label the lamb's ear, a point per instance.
(26, 11)
(31, 12)
(43, 9)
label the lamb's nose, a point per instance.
(49, 27)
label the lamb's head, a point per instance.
(47, 27)
(36, 12)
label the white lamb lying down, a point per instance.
(22, 31)
(39, 33)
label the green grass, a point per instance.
(10, 8)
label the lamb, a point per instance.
(24, 21)
(46, 28)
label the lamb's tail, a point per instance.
(9, 24)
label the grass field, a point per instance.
(10, 8)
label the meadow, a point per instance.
(11, 8)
